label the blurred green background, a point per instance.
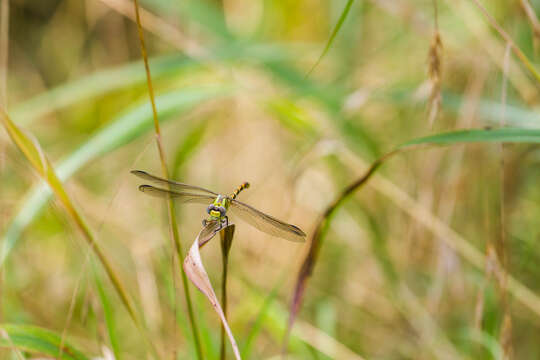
(236, 104)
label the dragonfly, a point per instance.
(220, 206)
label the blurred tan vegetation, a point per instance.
(393, 279)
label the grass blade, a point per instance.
(34, 154)
(108, 312)
(39, 341)
(505, 135)
(335, 31)
(93, 85)
(517, 51)
(257, 326)
(195, 271)
(316, 242)
(122, 130)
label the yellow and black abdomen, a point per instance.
(245, 185)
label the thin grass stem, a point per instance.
(173, 226)
(30, 147)
(517, 51)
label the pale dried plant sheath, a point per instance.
(195, 271)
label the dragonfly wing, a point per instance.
(208, 232)
(266, 223)
(183, 197)
(173, 185)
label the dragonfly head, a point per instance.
(216, 211)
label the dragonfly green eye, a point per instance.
(221, 210)
(210, 208)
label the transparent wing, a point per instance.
(174, 185)
(183, 197)
(266, 223)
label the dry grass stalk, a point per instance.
(435, 75)
(435, 69)
(440, 229)
(517, 51)
(533, 19)
(173, 228)
(454, 176)
(505, 336)
(157, 26)
(316, 242)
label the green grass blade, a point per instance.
(338, 26)
(93, 85)
(506, 135)
(39, 341)
(108, 312)
(185, 149)
(258, 323)
(31, 148)
(120, 131)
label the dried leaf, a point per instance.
(195, 271)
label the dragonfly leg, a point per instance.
(204, 222)
(225, 222)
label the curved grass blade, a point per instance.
(195, 271)
(257, 326)
(38, 341)
(191, 142)
(506, 135)
(340, 22)
(316, 242)
(108, 312)
(93, 85)
(35, 155)
(122, 130)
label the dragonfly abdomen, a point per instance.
(245, 185)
